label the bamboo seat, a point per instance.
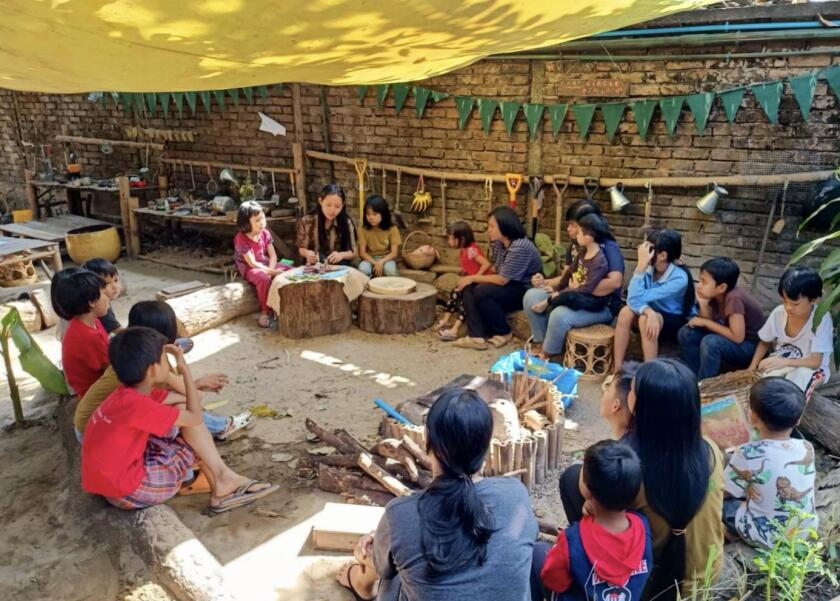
(590, 350)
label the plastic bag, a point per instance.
(564, 378)
(723, 420)
(32, 358)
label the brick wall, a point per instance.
(751, 145)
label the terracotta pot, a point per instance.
(92, 242)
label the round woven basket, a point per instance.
(417, 259)
(19, 274)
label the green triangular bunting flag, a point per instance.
(509, 112)
(381, 94)
(164, 102)
(557, 113)
(220, 99)
(643, 114)
(671, 109)
(262, 91)
(178, 97)
(464, 104)
(438, 96)
(731, 101)
(700, 105)
(127, 101)
(768, 96)
(139, 103)
(206, 100)
(421, 96)
(191, 101)
(234, 95)
(533, 115)
(613, 114)
(360, 93)
(803, 88)
(400, 94)
(583, 116)
(486, 110)
(151, 102)
(278, 87)
(249, 94)
(832, 76)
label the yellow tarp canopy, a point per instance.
(188, 45)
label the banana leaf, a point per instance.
(32, 358)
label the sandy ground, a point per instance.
(334, 380)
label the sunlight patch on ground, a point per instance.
(211, 342)
(382, 378)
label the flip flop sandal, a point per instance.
(350, 588)
(197, 486)
(239, 423)
(242, 497)
(447, 337)
(499, 341)
(477, 344)
(264, 321)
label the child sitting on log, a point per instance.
(473, 262)
(137, 451)
(800, 350)
(609, 553)
(379, 239)
(589, 267)
(109, 273)
(254, 254)
(79, 297)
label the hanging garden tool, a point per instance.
(397, 214)
(275, 197)
(513, 181)
(488, 193)
(361, 169)
(646, 226)
(780, 222)
(536, 203)
(760, 263)
(443, 204)
(422, 199)
(558, 209)
(293, 199)
(192, 180)
(212, 184)
(590, 192)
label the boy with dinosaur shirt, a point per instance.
(770, 478)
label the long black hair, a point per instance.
(342, 221)
(462, 232)
(377, 204)
(675, 458)
(670, 242)
(509, 225)
(156, 315)
(455, 524)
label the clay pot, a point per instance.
(92, 242)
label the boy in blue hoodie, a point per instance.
(609, 553)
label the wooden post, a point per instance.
(540, 457)
(297, 146)
(535, 144)
(134, 225)
(31, 195)
(125, 213)
(551, 431)
(528, 462)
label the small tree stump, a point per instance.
(403, 314)
(310, 309)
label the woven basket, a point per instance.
(733, 383)
(724, 407)
(417, 259)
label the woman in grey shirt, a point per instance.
(465, 537)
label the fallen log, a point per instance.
(821, 420)
(384, 478)
(211, 307)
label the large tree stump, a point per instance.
(211, 307)
(310, 309)
(403, 314)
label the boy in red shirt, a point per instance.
(135, 453)
(609, 553)
(79, 298)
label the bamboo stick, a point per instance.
(539, 457)
(497, 458)
(514, 473)
(528, 462)
(220, 165)
(399, 489)
(637, 182)
(551, 431)
(558, 443)
(517, 454)
(506, 455)
(100, 141)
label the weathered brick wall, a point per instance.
(749, 146)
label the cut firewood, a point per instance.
(535, 420)
(351, 440)
(419, 454)
(380, 475)
(341, 444)
(337, 480)
(393, 448)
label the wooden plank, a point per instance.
(125, 214)
(31, 197)
(10, 246)
(206, 219)
(179, 290)
(51, 229)
(339, 526)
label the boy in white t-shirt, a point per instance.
(797, 352)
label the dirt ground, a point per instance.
(264, 550)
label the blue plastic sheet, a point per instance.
(565, 378)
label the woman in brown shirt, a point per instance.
(328, 234)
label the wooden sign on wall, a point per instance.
(597, 88)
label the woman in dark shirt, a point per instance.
(464, 537)
(328, 235)
(488, 298)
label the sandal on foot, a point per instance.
(237, 426)
(478, 344)
(264, 321)
(197, 486)
(242, 496)
(448, 335)
(347, 569)
(500, 340)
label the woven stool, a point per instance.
(590, 350)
